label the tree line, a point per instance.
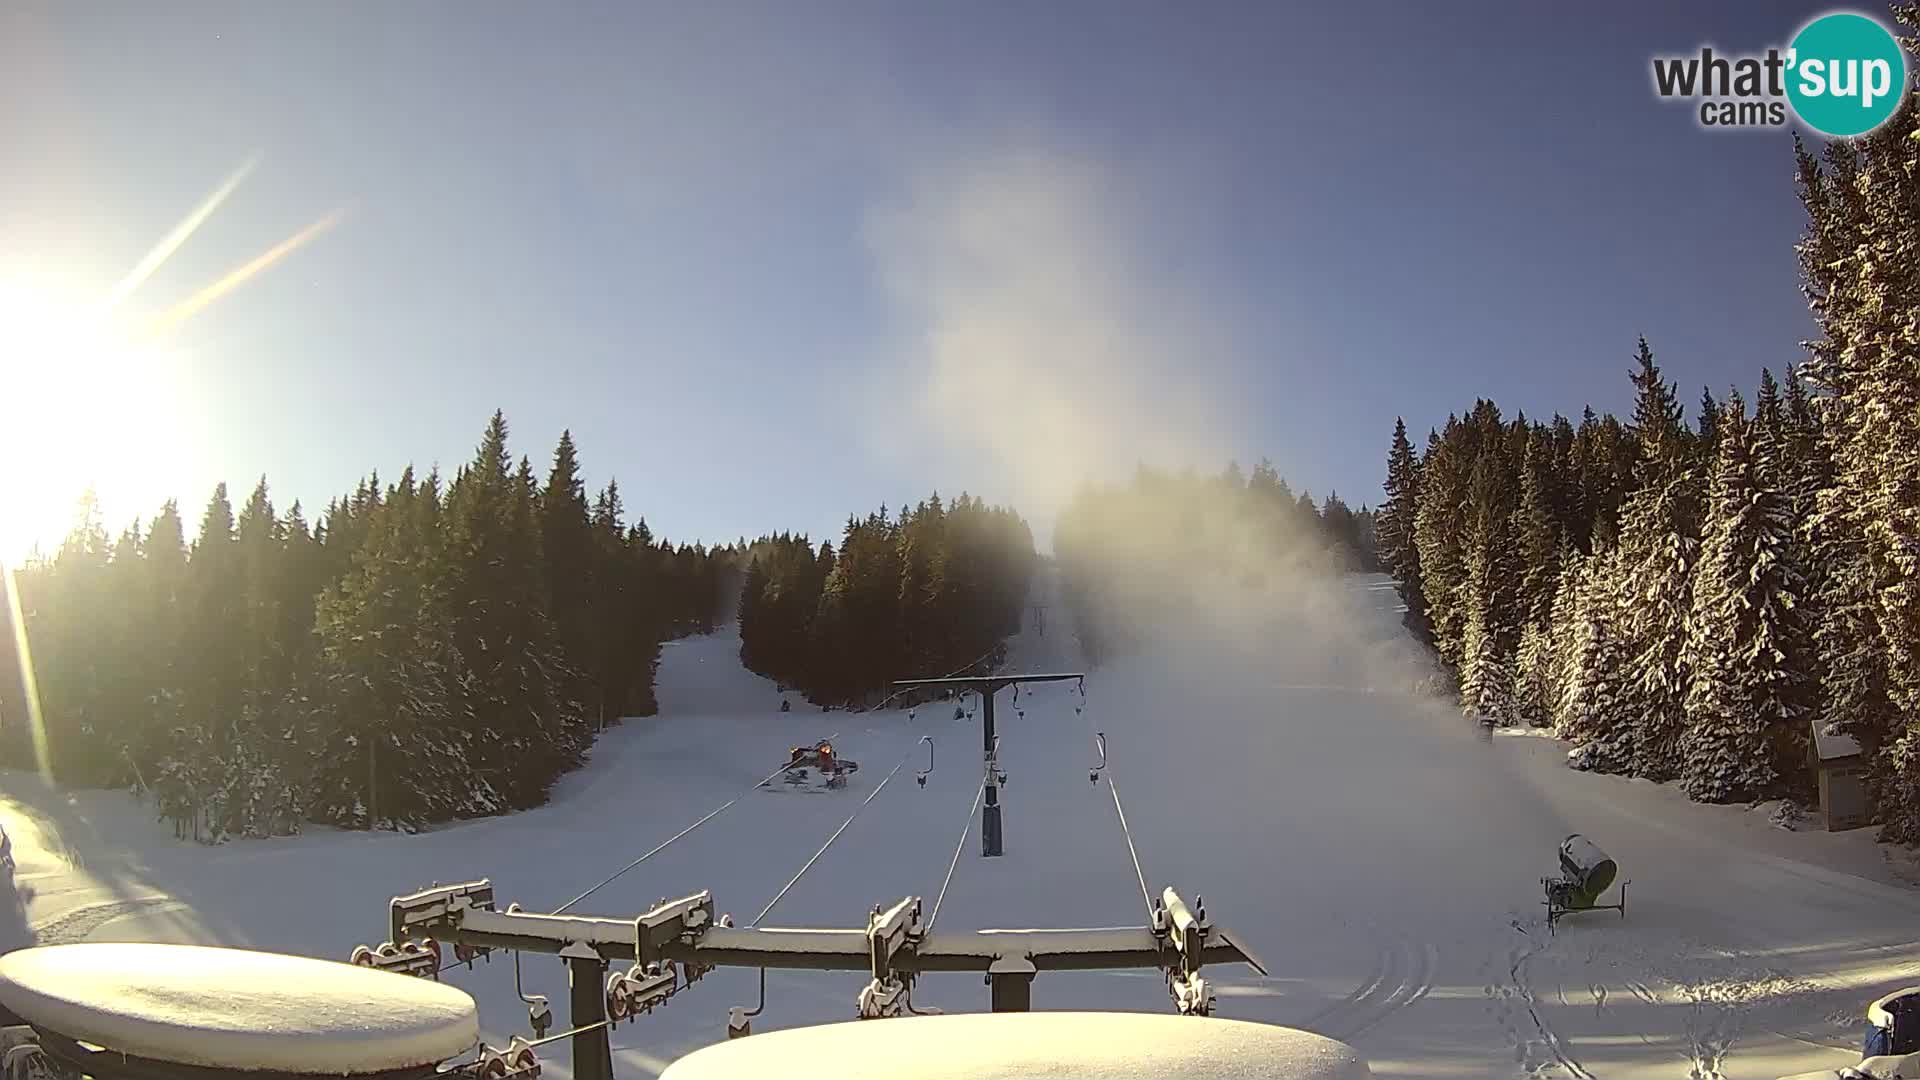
(1688, 602)
(1125, 552)
(424, 651)
(933, 589)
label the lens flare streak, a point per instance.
(36, 723)
(164, 250)
(172, 318)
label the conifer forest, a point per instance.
(1690, 598)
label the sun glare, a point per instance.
(82, 405)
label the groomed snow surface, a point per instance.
(1380, 853)
(225, 1008)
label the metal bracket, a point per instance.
(418, 914)
(890, 931)
(882, 999)
(740, 1020)
(1010, 983)
(638, 989)
(516, 1062)
(1186, 930)
(671, 922)
(418, 958)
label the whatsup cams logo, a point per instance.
(1843, 74)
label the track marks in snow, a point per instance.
(1401, 977)
(1538, 1050)
(75, 925)
(1687, 999)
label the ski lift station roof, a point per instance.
(231, 1009)
(1009, 1045)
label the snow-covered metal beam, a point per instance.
(832, 949)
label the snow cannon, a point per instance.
(1586, 873)
(1583, 861)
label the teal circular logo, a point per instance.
(1846, 74)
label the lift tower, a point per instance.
(987, 686)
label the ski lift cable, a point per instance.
(1106, 771)
(957, 849)
(662, 846)
(956, 671)
(791, 882)
(1132, 851)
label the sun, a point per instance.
(84, 405)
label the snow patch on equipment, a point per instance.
(1003, 1046)
(234, 1009)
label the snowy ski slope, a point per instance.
(1380, 853)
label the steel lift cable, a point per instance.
(791, 882)
(1133, 850)
(662, 846)
(957, 849)
(948, 675)
(715, 812)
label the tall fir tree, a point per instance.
(1490, 605)
(1438, 527)
(1659, 538)
(1858, 261)
(1747, 701)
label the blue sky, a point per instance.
(773, 263)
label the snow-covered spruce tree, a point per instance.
(1594, 712)
(1550, 672)
(1859, 272)
(1539, 549)
(1659, 535)
(572, 577)
(1535, 677)
(1489, 603)
(1779, 585)
(1536, 531)
(1744, 694)
(530, 729)
(1398, 549)
(1439, 529)
(1603, 460)
(1706, 442)
(401, 749)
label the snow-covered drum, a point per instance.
(1587, 867)
(233, 1010)
(992, 1046)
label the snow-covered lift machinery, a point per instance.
(987, 686)
(187, 1012)
(675, 943)
(1586, 874)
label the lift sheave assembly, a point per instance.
(674, 944)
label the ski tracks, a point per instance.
(76, 924)
(1538, 1050)
(1715, 992)
(1402, 976)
